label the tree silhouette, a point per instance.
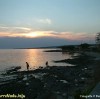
(98, 39)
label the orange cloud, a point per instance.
(31, 33)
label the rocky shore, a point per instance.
(51, 82)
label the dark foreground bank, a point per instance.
(52, 82)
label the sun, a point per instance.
(33, 34)
(36, 34)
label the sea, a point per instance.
(35, 57)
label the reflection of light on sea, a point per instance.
(32, 57)
(35, 58)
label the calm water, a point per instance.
(35, 58)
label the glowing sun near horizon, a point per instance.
(34, 34)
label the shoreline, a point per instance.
(56, 81)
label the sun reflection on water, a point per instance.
(35, 58)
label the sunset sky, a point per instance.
(37, 23)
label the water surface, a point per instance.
(35, 58)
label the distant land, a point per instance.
(50, 47)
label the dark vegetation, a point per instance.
(76, 48)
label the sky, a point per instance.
(37, 23)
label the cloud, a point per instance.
(32, 33)
(76, 36)
(19, 42)
(44, 21)
(14, 29)
(70, 35)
